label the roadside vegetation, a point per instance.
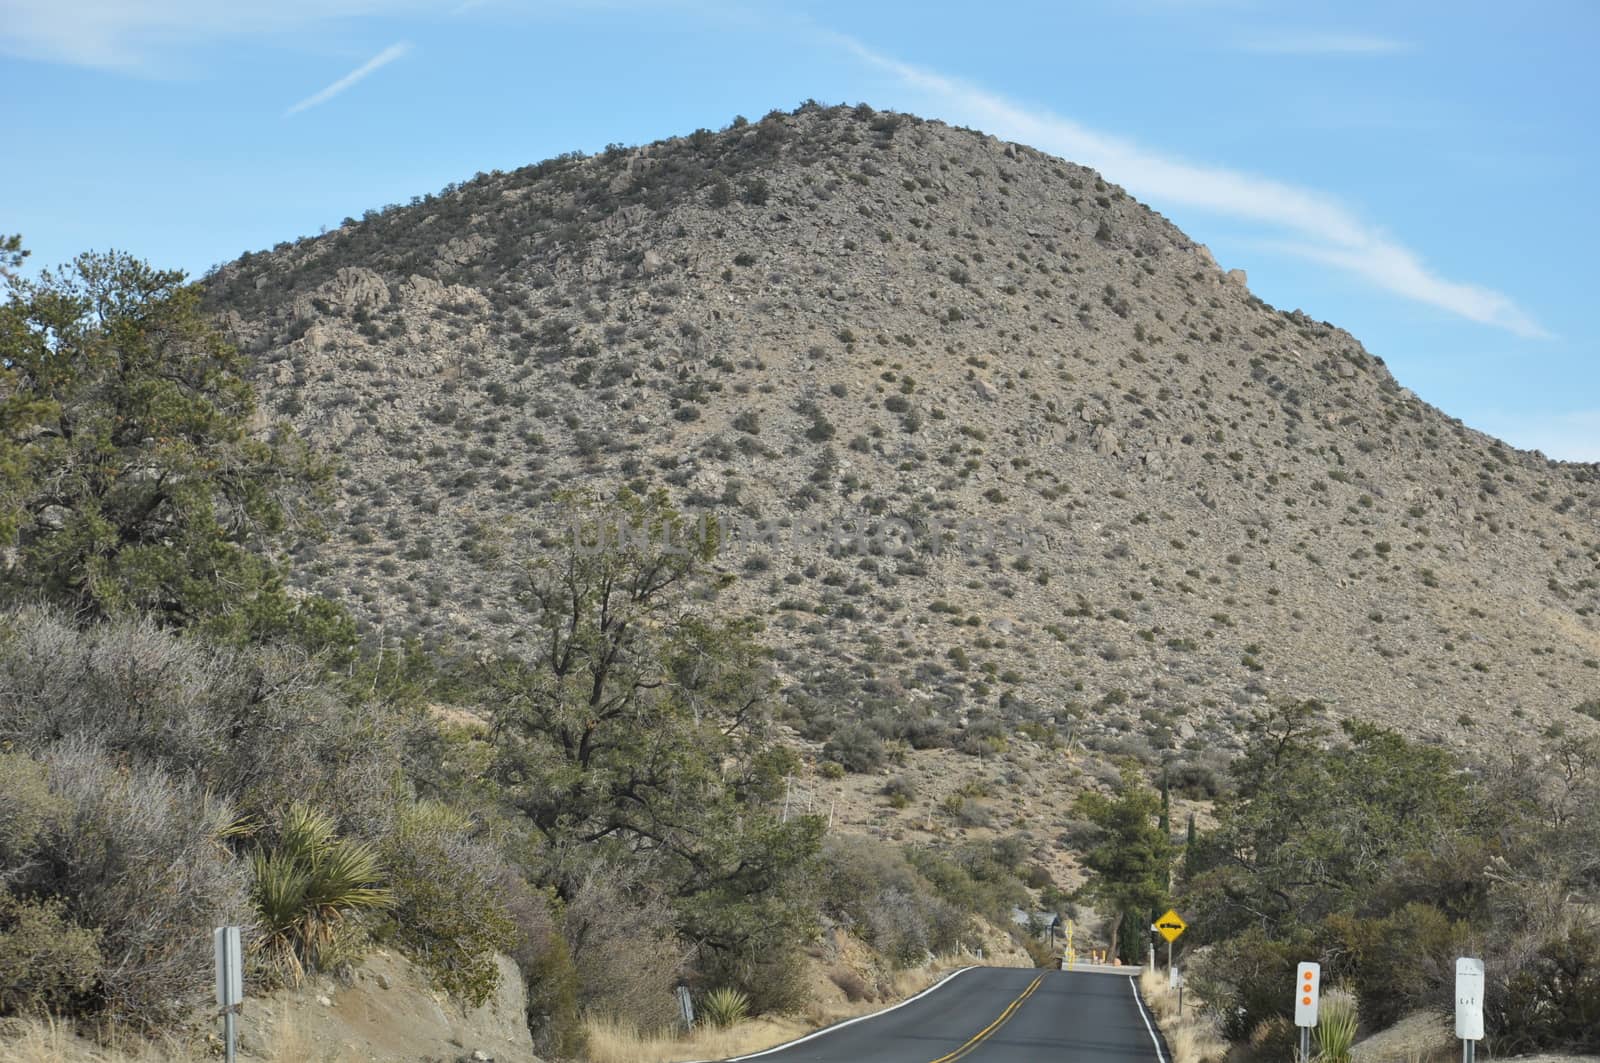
(1384, 860)
(1191, 1035)
(188, 740)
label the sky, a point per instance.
(1419, 173)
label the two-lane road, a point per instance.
(995, 1015)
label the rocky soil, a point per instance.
(844, 333)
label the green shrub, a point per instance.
(27, 808)
(1553, 1000)
(1242, 980)
(548, 972)
(446, 910)
(47, 963)
(900, 791)
(857, 747)
(724, 1007)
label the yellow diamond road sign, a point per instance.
(1171, 925)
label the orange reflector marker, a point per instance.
(1309, 980)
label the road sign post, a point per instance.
(230, 984)
(685, 1007)
(1170, 926)
(1307, 996)
(1469, 1005)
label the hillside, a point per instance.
(870, 323)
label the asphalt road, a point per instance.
(994, 1015)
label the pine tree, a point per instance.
(1129, 865)
(134, 474)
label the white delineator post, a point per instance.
(1469, 1005)
(230, 984)
(1307, 995)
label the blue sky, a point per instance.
(1418, 173)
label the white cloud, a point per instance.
(144, 36)
(382, 59)
(1570, 436)
(1305, 222)
(1322, 43)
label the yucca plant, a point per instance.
(307, 885)
(725, 1006)
(1336, 1026)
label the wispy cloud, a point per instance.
(377, 62)
(1302, 221)
(147, 37)
(1322, 42)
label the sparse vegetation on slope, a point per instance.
(994, 444)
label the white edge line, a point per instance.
(851, 1022)
(1133, 984)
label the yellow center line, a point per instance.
(989, 1030)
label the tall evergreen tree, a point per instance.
(1129, 865)
(634, 723)
(134, 472)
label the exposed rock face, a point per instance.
(354, 288)
(1190, 502)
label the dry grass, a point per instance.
(618, 1041)
(1191, 1038)
(51, 1040)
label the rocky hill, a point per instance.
(845, 333)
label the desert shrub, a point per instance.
(773, 981)
(139, 857)
(724, 1006)
(755, 191)
(545, 961)
(27, 808)
(1274, 1038)
(1242, 979)
(856, 746)
(446, 909)
(1394, 959)
(896, 924)
(47, 963)
(311, 888)
(552, 982)
(878, 893)
(258, 724)
(1553, 999)
(900, 791)
(619, 930)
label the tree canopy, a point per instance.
(635, 722)
(135, 474)
(1130, 862)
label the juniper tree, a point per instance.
(633, 724)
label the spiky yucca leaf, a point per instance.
(307, 884)
(725, 1006)
(1337, 1018)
